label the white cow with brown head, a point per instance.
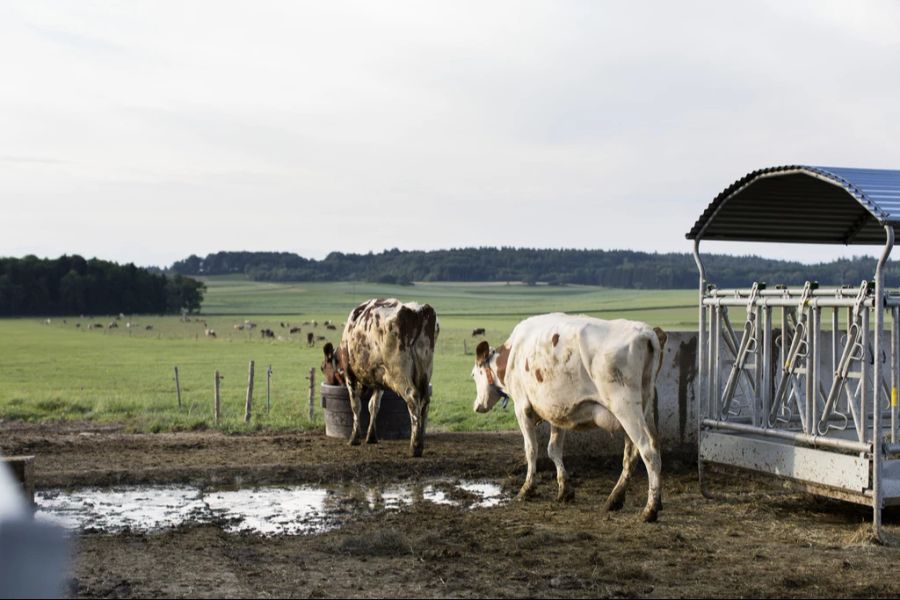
(578, 372)
(390, 345)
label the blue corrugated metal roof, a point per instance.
(800, 203)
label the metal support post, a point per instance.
(877, 441)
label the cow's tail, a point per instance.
(421, 375)
(656, 342)
(424, 361)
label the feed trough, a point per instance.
(806, 389)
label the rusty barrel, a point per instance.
(393, 416)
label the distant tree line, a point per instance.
(72, 285)
(613, 268)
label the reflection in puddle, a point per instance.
(264, 510)
(135, 508)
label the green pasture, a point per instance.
(60, 371)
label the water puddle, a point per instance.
(286, 510)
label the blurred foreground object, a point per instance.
(34, 557)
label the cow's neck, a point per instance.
(497, 364)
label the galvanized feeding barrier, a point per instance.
(800, 381)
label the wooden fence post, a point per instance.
(177, 386)
(312, 394)
(248, 406)
(217, 403)
(268, 388)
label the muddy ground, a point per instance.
(756, 540)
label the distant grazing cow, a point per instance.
(331, 327)
(238, 326)
(96, 326)
(112, 325)
(250, 324)
(330, 367)
(294, 330)
(306, 322)
(321, 338)
(210, 333)
(267, 333)
(148, 328)
(77, 325)
(578, 372)
(477, 332)
(389, 345)
(310, 339)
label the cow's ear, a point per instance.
(328, 350)
(482, 351)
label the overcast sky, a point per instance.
(149, 131)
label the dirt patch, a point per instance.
(754, 541)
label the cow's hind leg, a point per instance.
(616, 498)
(374, 405)
(627, 409)
(555, 452)
(527, 425)
(417, 404)
(355, 392)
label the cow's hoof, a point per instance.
(525, 493)
(416, 452)
(372, 439)
(354, 441)
(649, 515)
(614, 504)
(566, 493)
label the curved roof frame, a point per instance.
(804, 204)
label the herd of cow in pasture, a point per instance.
(113, 324)
(573, 371)
(312, 338)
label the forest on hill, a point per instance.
(610, 268)
(71, 285)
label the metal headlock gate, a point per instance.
(800, 381)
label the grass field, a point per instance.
(58, 371)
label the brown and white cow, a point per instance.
(390, 345)
(578, 372)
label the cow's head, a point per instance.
(488, 390)
(330, 367)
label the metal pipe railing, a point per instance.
(846, 290)
(786, 302)
(816, 441)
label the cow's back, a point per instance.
(560, 355)
(391, 344)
